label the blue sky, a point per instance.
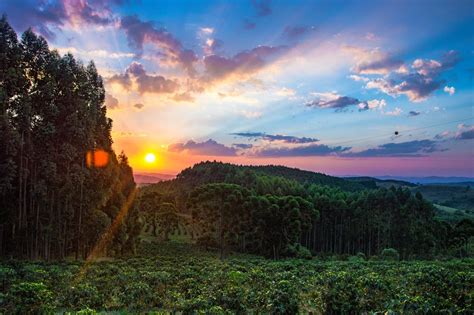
(320, 85)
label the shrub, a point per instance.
(357, 258)
(284, 299)
(390, 254)
(82, 296)
(86, 311)
(29, 298)
(6, 275)
(138, 295)
(298, 251)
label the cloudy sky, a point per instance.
(340, 87)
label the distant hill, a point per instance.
(455, 196)
(430, 179)
(452, 215)
(151, 178)
(385, 183)
(460, 184)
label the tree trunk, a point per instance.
(79, 228)
(221, 235)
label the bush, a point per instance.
(6, 275)
(29, 298)
(298, 251)
(138, 295)
(357, 258)
(284, 299)
(390, 254)
(83, 296)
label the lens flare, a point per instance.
(97, 158)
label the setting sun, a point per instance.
(150, 158)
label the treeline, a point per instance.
(243, 209)
(53, 201)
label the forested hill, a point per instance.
(313, 177)
(206, 172)
(375, 182)
(260, 210)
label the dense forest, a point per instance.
(54, 200)
(276, 211)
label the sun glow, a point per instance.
(150, 158)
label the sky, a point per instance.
(339, 87)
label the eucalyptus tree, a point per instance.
(52, 114)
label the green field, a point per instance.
(178, 277)
(452, 214)
(453, 196)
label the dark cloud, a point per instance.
(285, 139)
(110, 101)
(466, 134)
(413, 113)
(403, 149)
(139, 33)
(209, 147)
(242, 145)
(47, 17)
(145, 83)
(248, 24)
(309, 150)
(262, 7)
(339, 103)
(450, 59)
(249, 134)
(139, 105)
(295, 32)
(243, 63)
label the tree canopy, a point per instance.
(245, 209)
(52, 114)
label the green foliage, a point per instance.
(29, 298)
(237, 218)
(458, 196)
(389, 254)
(452, 215)
(52, 114)
(298, 251)
(83, 295)
(265, 213)
(167, 277)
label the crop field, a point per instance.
(180, 277)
